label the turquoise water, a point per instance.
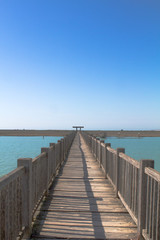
(139, 148)
(12, 148)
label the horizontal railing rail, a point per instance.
(22, 189)
(136, 183)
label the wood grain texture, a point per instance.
(81, 203)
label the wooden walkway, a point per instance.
(81, 204)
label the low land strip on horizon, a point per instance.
(97, 133)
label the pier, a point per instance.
(80, 188)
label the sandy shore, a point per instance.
(102, 133)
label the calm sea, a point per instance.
(139, 148)
(12, 148)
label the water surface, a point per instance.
(12, 148)
(139, 148)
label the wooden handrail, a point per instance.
(132, 161)
(153, 173)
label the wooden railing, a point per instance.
(152, 223)
(136, 183)
(22, 189)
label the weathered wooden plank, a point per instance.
(86, 233)
(84, 215)
(67, 219)
(83, 189)
(90, 208)
(82, 194)
(122, 237)
(60, 228)
(82, 201)
(90, 180)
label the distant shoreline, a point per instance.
(23, 132)
(124, 133)
(97, 133)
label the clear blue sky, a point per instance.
(90, 62)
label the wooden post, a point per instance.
(100, 157)
(54, 158)
(92, 145)
(97, 147)
(26, 194)
(103, 162)
(52, 144)
(105, 167)
(60, 153)
(117, 169)
(142, 194)
(62, 149)
(44, 149)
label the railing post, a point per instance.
(59, 141)
(117, 169)
(142, 194)
(44, 149)
(62, 150)
(56, 155)
(100, 160)
(106, 158)
(26, 194)
(92, 145)
(95, 146)
(52, 144)
(54, 158)
(98, 149)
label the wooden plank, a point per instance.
(84, 215)
(82, 194)
(86, 233)
(54, 227)
(79, 180)
(82, 201)
(124, 237)
(71, 222)
(82, 188)
(89, 208)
